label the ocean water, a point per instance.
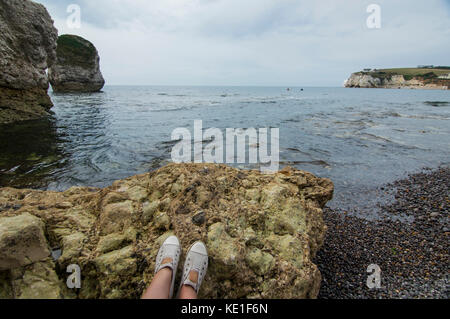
(359, 138)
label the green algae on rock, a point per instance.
(261, 231)
(76, 50)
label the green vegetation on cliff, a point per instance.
(416, 71)
(76, 50)
(426, 74)
(422, 73)
(409, 73)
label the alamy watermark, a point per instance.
(230, 146)
(74, 279)
(74, 19)
(374, 279)
(374, 19)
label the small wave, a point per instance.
(171, 142)
(358, 124)
(268, 102)
(428, 117)
(296, 150)
(374, 137)
(171, 95)
(166, 146)
(316, 162)
(291, 120)
(392, 114)
(171, 110)
(381, 139)
(322, 151)
(437, 103)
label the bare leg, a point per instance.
(160, 286)
(187, 292)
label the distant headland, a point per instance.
(421, 77)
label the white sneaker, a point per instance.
(168, 257)
(195, 266)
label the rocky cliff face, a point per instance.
(261, 232)
(77, 68)
(394, 81)
(27, 49)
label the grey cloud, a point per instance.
(264, 42)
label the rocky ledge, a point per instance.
(27, 49)
(77, 68)
(262, 232)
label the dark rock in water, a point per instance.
(27, 49)
(77, 68)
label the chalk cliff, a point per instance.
(77, 68)
(394, 81)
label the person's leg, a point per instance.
(167, 259)
(194, 271)
(186, 291)
(160, 286)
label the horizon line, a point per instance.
(229, 85)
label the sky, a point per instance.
(255, 42)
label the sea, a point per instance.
(361, 139)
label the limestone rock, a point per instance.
(149, 209)
(39, 281)
(162, 221)
(116, 217)
(116, 241)
(22, 241)
(73, 245)
(261, 231)
(77, 68)
(259, 261)
(226, 251)
(362, 81)
(27, 49)
(117, 262)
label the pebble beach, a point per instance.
(410, 243)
